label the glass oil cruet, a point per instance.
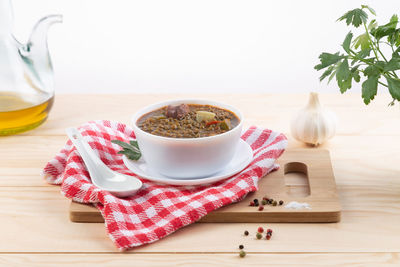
(26, 75)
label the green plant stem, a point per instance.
(380, 52)
(375, 46)
(354, 56)
(391, 46)
(369, 38)
(382, 83)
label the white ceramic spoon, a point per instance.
(103, 177)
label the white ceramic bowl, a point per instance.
(187, 157)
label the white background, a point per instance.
(185, 46)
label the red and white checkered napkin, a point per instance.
(157, 210)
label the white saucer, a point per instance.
(242, 158)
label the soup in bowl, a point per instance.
(188, 138)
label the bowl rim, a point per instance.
(201, 101)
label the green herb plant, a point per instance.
(130, 150)
(363, 56)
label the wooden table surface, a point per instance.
(35, 229)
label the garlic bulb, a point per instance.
(313, 124)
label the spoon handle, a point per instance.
(93, 163)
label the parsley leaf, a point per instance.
(387, 29)
(130, 150)
(345, 84)
(371, 70)
(343, 76)
(356, 17)
(355, 73)
(369, 88)
(372, 24)
(363, 54)
(394, 87)
(363, 41)
(347, 42)
(327, 72)
(393, 64)
(328, 59)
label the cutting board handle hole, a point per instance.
(296, 179)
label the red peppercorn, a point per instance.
(260, 208)
(265, 198)
(260, 229)
(269, 231)
(251, 203)
(268, 237)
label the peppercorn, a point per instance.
(260, 208)
(268, 237)
(242, 253)
(264, 202)
(241, 246)
(280, 202)
(265, 198)
(274, 203)
(260, 229)
(270, 201)
(255, 200)
(251, 203)
(256, 204)
(246, 233)
(259, 235)
(269, 231)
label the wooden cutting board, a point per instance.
(305, 175)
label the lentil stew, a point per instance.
(188, 121)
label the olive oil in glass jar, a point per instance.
(20, 113)
(26, 75)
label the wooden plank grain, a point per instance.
(194, 260)
(36, 220)
(27, 155)
(22, 180)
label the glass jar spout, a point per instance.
(36, 55)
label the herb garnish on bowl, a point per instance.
(130, 150)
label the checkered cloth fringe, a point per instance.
(157, 210)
